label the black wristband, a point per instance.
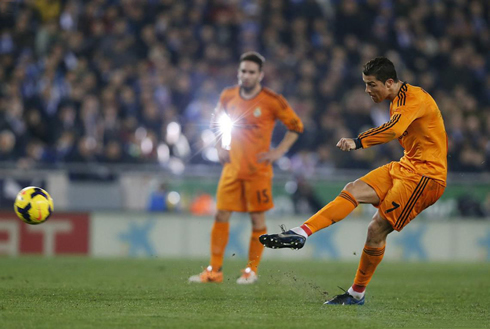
(358, 143)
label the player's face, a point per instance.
(377, 90)
(249, 75)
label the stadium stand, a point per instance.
(135, 81)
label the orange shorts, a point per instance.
(244, 195)
(403, 193)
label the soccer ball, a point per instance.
(33, 205)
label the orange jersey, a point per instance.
(254, 121)
(417, 123)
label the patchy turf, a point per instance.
(154, 293)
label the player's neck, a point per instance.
(250, 93)
(395, 90)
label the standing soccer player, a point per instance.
(247, 114)
(400, 189)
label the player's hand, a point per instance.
(270, 156)
(223, 155)
(346, 144)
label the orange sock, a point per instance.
(219, 240)
(333, 212)
(256, 248)
(370, 259)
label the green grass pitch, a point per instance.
(153, 293)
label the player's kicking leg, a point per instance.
(333, 212)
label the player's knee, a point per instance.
(373, 228)
(350, 187)
(222, 216)
(258, 221)
(355, 190)
(362, 192)
(378, 230)
(374, 236)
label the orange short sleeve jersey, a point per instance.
(254, 121)
(417, 123)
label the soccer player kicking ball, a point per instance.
(246, 115)
(400, 189)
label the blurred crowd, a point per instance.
(135, 81)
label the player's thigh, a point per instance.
(408, 197)
(380, 180)
(258, 193)
(230, 194)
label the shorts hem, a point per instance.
(243, 210)
(230, 209)
(260, 210)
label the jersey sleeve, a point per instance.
(287, 116)
(220, 108)
(402, 117)
(223, 99)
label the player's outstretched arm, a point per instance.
(398, 124)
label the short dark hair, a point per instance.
(253, 56)
(382, 69)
